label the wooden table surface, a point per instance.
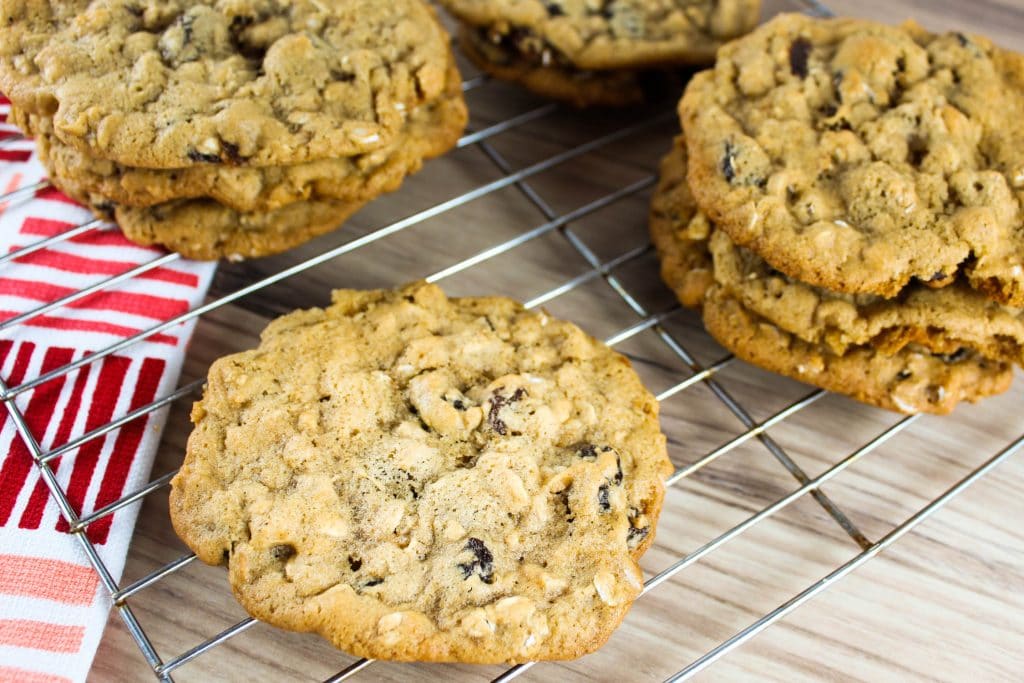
(946, 602)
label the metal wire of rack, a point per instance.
(598, 269)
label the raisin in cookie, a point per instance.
(924, 352)
(596, 52)
(421, 478)
(432, 129)
(177, 83)
(863, 157)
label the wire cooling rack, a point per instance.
(600, 266)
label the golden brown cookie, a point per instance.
(863, 157)
(616, 34)
(679, 232)
(421, 478)
(912, 380)
(280, 218)
(178, 83)
(926, 351)
(432, 129)
(945, 321)
(581, 88)
(694, 254)
(611, 53)
(204, 230)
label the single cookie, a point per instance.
(919, 353)
(579, 87)
(432, 129)
(616, 34)
(421, 478)
(863, 157)
(204, 230)
(176, 83)
(614, 55)
(910, 381)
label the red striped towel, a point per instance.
(52, 605)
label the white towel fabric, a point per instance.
(53, 607)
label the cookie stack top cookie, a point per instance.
(863, 157)
(261, 82)
(230, 129)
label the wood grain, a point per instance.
(945, 603)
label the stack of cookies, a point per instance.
(597, 52)
(230, 130)
(845, 207)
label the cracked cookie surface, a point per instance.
(863, 157)
(417, 477)
(177, 83)
(926, 351)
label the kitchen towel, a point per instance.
(53, 607)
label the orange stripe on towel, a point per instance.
(9, 674)
(13, 184)
(36, 577)
(41, 635)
